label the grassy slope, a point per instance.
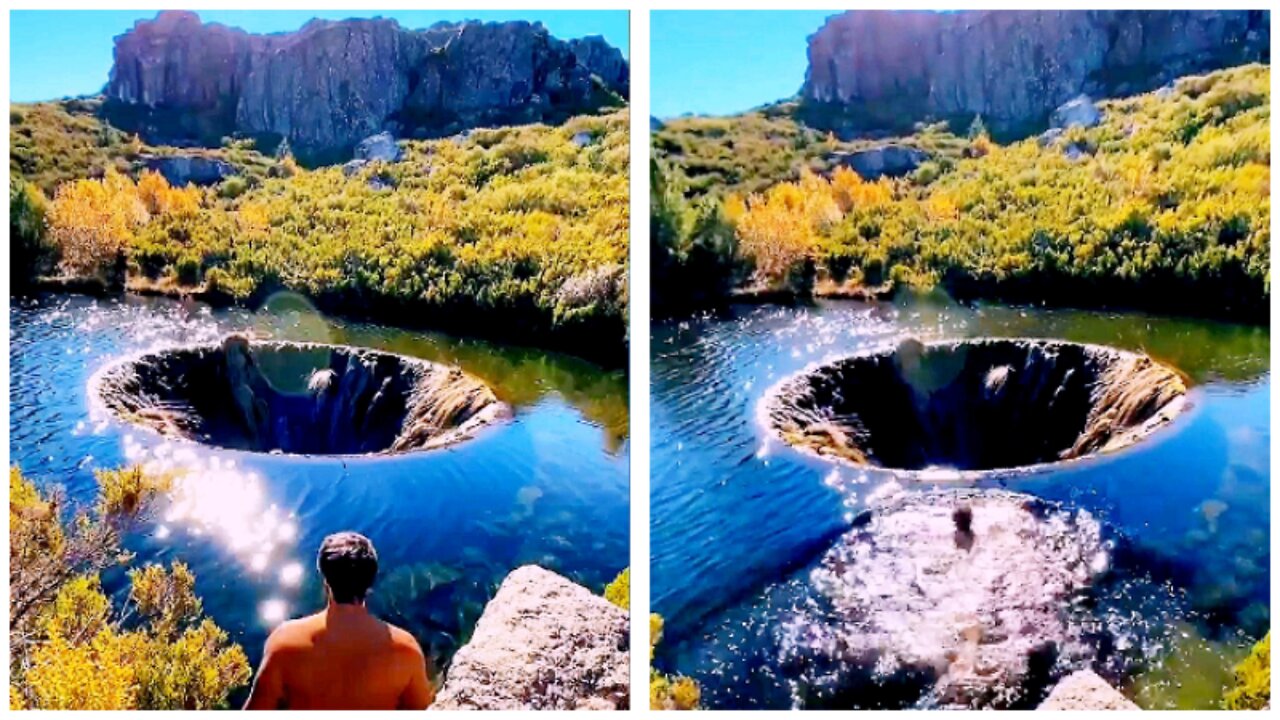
(53, 142)
(1165, 205)
(514, 232)
(751, 152)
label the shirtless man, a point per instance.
(342, 658)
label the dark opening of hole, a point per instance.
(975, 405)
(298, 398)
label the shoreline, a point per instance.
(781, 297)
(581, 343)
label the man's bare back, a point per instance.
(341, 658)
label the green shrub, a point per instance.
(30, 253)
(233, 187)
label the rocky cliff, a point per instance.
(872, 70)
(331, 84)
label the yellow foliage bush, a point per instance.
(69, 648)
(668, 692)
(618, 592)
(92, 223)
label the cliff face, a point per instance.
(873, 70)
(331, 84)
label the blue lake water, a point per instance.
(738, 519)
(548, 487)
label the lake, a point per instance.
(549, 486)
(739, 519)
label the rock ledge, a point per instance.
(543, 643)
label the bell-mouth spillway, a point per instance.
(297, 398)
(974, 406)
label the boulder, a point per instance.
(891, 160)
(581, 139)
(873, 70)
(1049, 137)
(1084, 690)
(966, 596)
(1074, 152)
(179, 170)
(1079, 110)
(543, 643)
(353, 167)
(378, 147)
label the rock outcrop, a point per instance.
(252, 396)
(179, 170)
(1079, 111)
(963, 598)
(878, 70)
(1084, 690)
(543, 643)
(974, 405)
(891, 160)
(331, 84)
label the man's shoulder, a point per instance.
(404, 642)
(292, 634)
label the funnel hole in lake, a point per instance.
(976, 405)
(297, 398)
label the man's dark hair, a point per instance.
(349, 564)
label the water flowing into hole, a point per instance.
(297, 398)
(975, 405)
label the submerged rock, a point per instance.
(1084, 690)
(975, 405)
(958, 598)
(297, 398)
(543, 643)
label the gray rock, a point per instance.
(1079, 110)
(1074, 152)
(604, 61)
(543, 643)
(581, 139)
(353, 167)
(1084, 690)
(887, 70)
(886, 160)
(379, 147)
(1049, 137)
(179, 170)
(331, 84)
(966, 591)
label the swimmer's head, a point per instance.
(349, 564)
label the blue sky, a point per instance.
(721, 62)
(56, 53)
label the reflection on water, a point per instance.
(738, 519)
(550, 487)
